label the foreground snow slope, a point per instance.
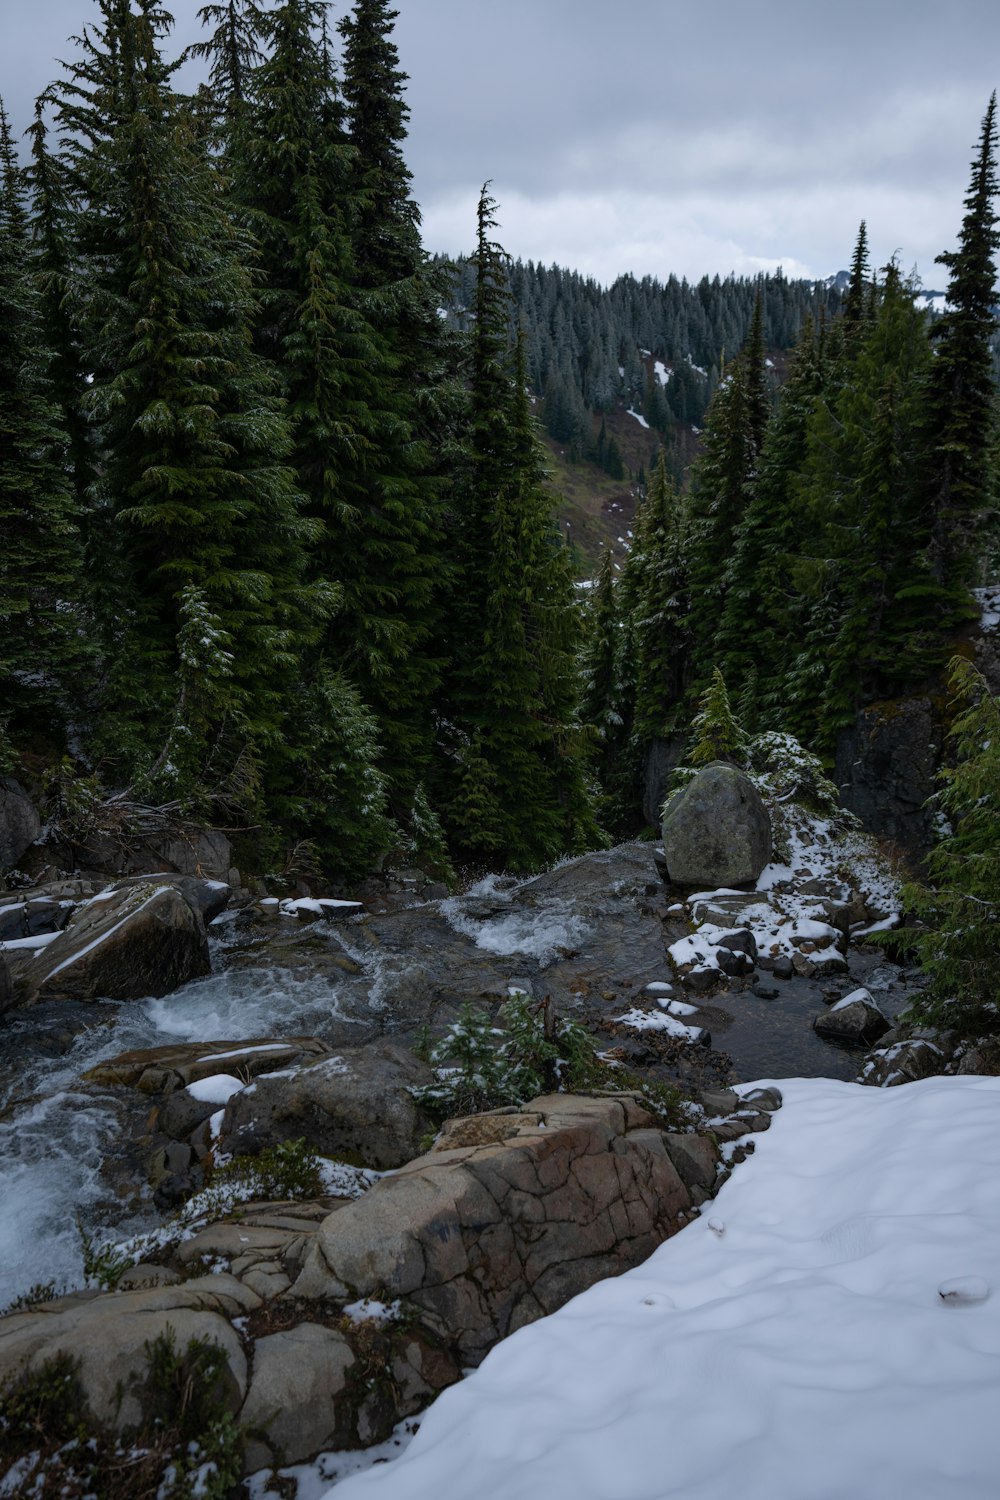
(829, 1328)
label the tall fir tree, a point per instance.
(723, 487)
(860, 564)
(961, 396)
(41, 654)
(359, 460)
(759, 628)
(197, 514)
(516, 793)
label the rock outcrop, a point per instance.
(338, 1318)
(20, 824)
(484, 1238)
(716, 830)
(885, 769)
(141, 936)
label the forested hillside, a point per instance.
(658, 347)
(279, 549)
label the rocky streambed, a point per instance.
(303, 1018)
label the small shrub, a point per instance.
(35, 1296)
(103, 1265)
(481, 1066)
(288, 1170)
(188, 1447)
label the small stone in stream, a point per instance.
(783, 967)
(765, 991)
(735, 965)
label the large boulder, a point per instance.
(716, 831)
(483, 1239)
(356, 1106)
(855, 1019)
(353, 1315)
(20, 824)
(140, 937)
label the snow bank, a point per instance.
(835, 1331)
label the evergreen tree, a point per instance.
(961, 396)
(660, 640)
(959, 907)
(599, 703)
(861, 560)
(856, 300)
(386, 231)
(196, 508)
(40, 651)
(717, 733)
(353, 392)
(760, 627)
(52, 252)
(517, 792)
(724, 481)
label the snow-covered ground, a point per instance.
(829, 1328)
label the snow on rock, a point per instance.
(656, 1020)
(312, 908)
(830, 1333)
(218, 1088)
(989, 606)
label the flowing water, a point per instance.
(581, 929)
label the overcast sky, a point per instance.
(656, 136)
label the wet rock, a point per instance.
(856, 1018)
(154, 1070)
(356, 1106)
(734, 965)
(716, 831)
(136, 939)
(738, 940)
(20, 824)
(818, 965)
(782, 967)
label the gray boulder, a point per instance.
(716, 831)
(903, 1062)
(856, 1018)
(20, 824)
(138, 938)
(6, 988)
(356, 1106)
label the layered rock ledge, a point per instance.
(337, 1319)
